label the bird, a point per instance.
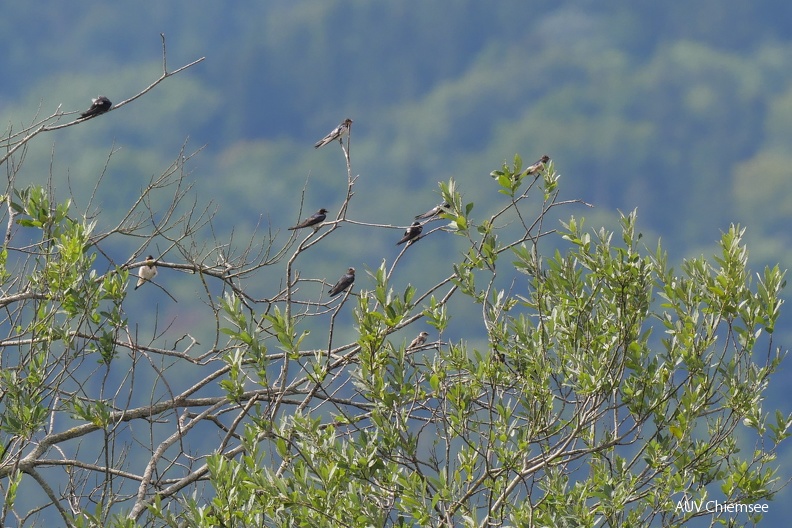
(338, 133)
(536, 167)
(100, 105)
(434, 211)
(412, 233)
(146, 272)
(418, 341)
(317, 218)
(343, 283)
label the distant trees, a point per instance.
(610, 388)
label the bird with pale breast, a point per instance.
(146, 272)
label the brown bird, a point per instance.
(418, 341)
(100, 105)
(317, 218)
(536, 167)
(146, 272)
(338, 133)
(343, 283)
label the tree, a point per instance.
(574, 412)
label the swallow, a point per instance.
(412, 233)
(338, 133)
(146, 272)
(100, 105)
(317, 218)
(418, 341)
(343, 283)
(536, 167)
(434, 211)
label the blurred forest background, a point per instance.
(683, 111)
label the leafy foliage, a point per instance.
(574, 413)
(608, 387)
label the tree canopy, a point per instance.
(609, 389)
(642, 107)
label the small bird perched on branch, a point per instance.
(536, 167)
(99, 105)
(146, 272)
(418, 341)
(434, 211)
(412, 233)
(338, 133)
(343, 283)
(317, 218)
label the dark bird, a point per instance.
(338, 133)
(418, 341)
(146, 272)
(536, 167)
(412, 233)
(317, 218)
(343, 283)
(434, 211)
(100, 105)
